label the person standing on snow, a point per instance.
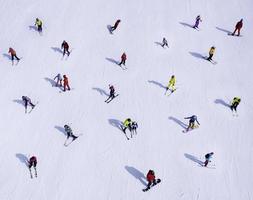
(65, 83)
(235, 103)
(13, 54)
(27, 101)
(112, 93)
(38, 23)
(58, 78)
(208, 158)
(32, 162)
(126, 125)
(238, 27)
(115, 25)
(198, 19)
(65, 48)
(171, 85)
(151, 178)
(211, 53)
(164, 43)
(123, 59)
(192, 120)
(69, 132)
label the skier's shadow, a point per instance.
(60, 129)
(101, 91)
(109, 27)
(157, 83)
(223, 30)
(185, 24)
(51, 81)
(182, 124)
(33, 28)
(159, 43)
(56, 49)
(116, 123)
(19, 101)
(137, 174)
(112, 60)
(7, 56)
(196, 55)
(193, 158)
(22, 158)
(220, 101)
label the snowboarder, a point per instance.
(151, 178)
(38, 23)
(69, 132)
(115, 25)
(13, 54)
(65, 48)
(123, 59)
(208, 158)
(27, 101)
(171, 85)
(126, 124)
(165, 43)
(235, 103)
(192, 120)
(32, 162)
(238, 27)
(198, 19)
(211, 52)
(112, 93)
(133, 127)
(65, 83)
(58, 78)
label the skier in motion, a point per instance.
(123, 59)
(32, 163)
(238, 27)
(65, 47)
(115, 25)
(164, 43)
(171, 85)
(126, 125)
(208, 157)
(211, 53)
(69, 132)
(235, 103)
(65, 83)
(13, 54)
(152, 181)
(192, 120)
(38, 23)
(198, 19)
(27, 101)
(58, 78)
(112, 94)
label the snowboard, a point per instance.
(211, 61)
(157, 182)
(190, 129)
(67, 142)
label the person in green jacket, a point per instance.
(171, 85)
(38, 23)
(235, 103)
(126, 124)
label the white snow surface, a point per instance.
(102, 164)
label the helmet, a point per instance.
(128, 119)
(37, 19)
(23, 97)
(66, 126)
(172, 76)
(151, 172)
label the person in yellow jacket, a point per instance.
(126, 124)
(235, 103)
(38, 23)
(211, 52)
(171, 85)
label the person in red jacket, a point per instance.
(238, 27)
(115, 25)
(32, 162)
(123, 59)
(65, 47)
(13, 54)
(151, 178)
(65, 83)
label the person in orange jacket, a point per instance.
(65, 83)
(123, 59)
(238, 27)
(13, 54)
(115, 25)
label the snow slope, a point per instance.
(103, 164)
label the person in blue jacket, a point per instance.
(192, 120)
(208, 157)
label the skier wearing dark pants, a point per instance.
(38, 23)
(115, 25)
(133, 127)
(123, 59)
(65, 48)
(238, 27)
(27, 101)
(32, 162)
(151, 178)
(69, 132)
(112, 93)
(235, 103)
(165, 43)
(13, 54)
(208, 158)
(211, 52)
(198, 19)
(192, 120)
(126, 124)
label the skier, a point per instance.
(211, 52)
(112, 93)
(69, 132)
(115, 25)
(165, 43)
(126, 124)
(27, 101)
(208, 158)
(192, 120)
(151, 178)
(32, 162)
(123, 59)
(65, 83)
(238, 27)
(133, 127)
(235, 103)
(198, 19)
(171, 85)
(38, 23)
(65, 47)
(59, 80)
(13, 54)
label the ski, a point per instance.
(190, 129)
(148, 188)
(110, 99)
(33, 108)
(31, 175)
(66, 143)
